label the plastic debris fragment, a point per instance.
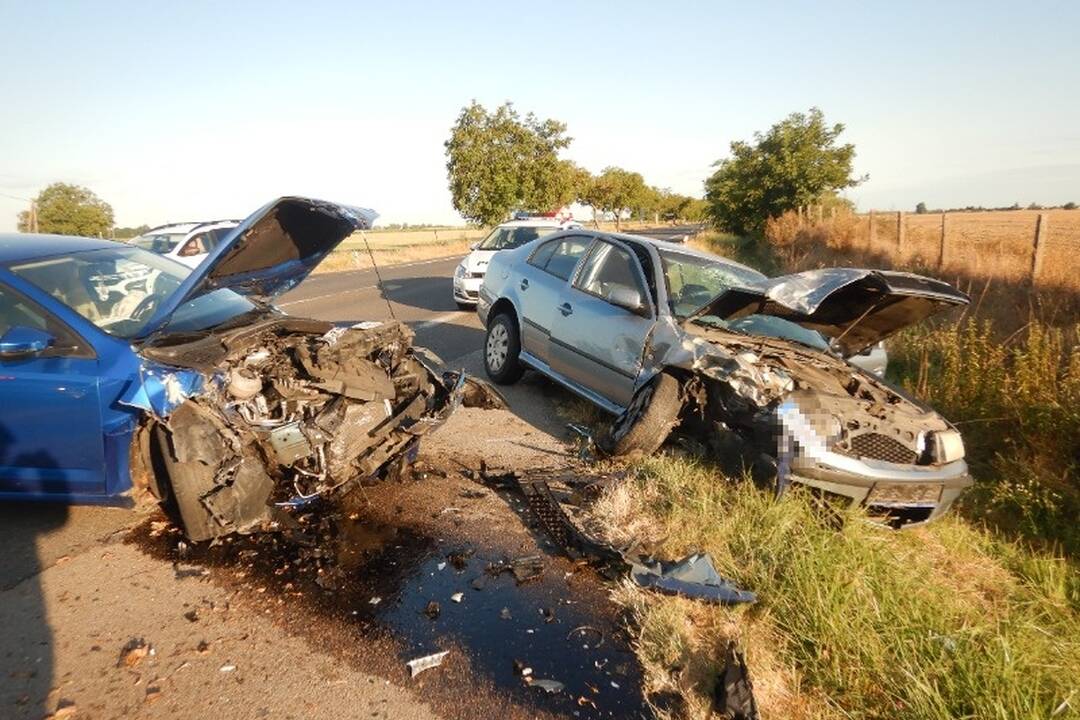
(692, 577)
(420, 664)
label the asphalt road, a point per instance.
(60, 561)
(419, 294)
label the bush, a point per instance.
(1018, 406)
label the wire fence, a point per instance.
(1041, 247)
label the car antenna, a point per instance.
(378, 276)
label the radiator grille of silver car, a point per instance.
(882, 447)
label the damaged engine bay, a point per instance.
(291, 409)
(847, 404)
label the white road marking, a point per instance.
(327, 295)
(367, 287)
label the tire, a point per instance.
(652, 415)
(188, 482)
(502, 350)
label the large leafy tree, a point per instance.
(616, 190)
(797, 162)
(500, 161)
(66, 209)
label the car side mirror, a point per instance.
(21, 341)
(474, 246)
(626, 297)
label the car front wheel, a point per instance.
(652, 415)
(502, 349)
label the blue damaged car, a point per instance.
(121, 370)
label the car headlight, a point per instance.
(459, 272)
(945, 446)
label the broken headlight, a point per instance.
(942, 447)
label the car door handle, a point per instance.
(524, 284)
(565, 309)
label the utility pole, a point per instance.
(33, 216)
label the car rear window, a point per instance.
(559, 257)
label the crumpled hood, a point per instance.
(855, 308)
(270, 252)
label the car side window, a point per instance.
(542, 254)
(201, 243)
(564, 256)
(608, 268)
(18, 310)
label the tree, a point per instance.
(795, 163)
(920, 209)
(66, 209)
(1069, 206)
(614, 191)
(126, 233)
(498, 162)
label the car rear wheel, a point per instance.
(647, 422)
(502, 350)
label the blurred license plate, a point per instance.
(904, 494)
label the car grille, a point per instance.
(882, 447)
(476, 275)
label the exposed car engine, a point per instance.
(293, 409)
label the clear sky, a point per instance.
(180, 111)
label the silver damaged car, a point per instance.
(755, 369)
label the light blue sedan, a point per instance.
(660, 335)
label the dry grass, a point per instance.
(996, 244)
(386, 254)
(942, 622)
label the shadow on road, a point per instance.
(434, 294)
(26, 646)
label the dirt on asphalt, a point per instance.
(402, 570)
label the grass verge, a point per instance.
(942, 622)
(358, 258)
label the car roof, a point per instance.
(30, 246)
(538, 222)
(673, 247)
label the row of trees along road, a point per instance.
(499, 162)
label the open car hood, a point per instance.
(270, 252)
(854, 308)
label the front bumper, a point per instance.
(894, 494)
(467, 290)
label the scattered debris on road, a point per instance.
(420, 664)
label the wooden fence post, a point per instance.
(820, 213)
(1038, 250)
(900, 232)
(870, 233)
(944, 242)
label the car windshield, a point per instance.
(120, 289)
(160, 243)
(508, 238)
(692, 280)
(769, 326)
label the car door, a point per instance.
(51, 440)
(598, 338)
(543, 278)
